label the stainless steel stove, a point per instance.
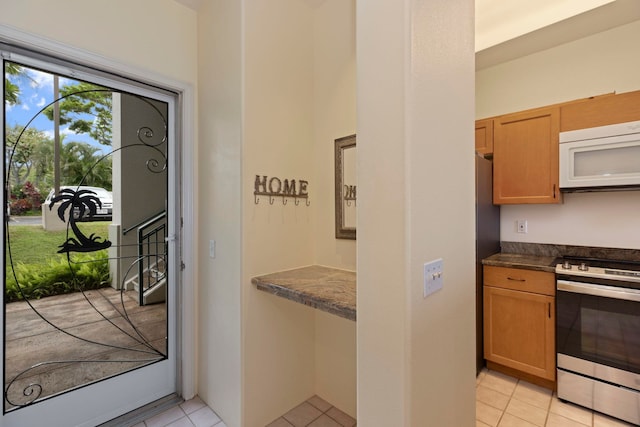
(598, 335)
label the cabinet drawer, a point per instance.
(518, 279)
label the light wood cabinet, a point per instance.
(519, 321)
(484, 136)
(525, 145)
(600, 111)
(525, 157)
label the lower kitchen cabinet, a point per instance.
(519, 322)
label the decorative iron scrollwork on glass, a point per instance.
(77, 204)
(129, 344)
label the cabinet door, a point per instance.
(525, 157)
(519, 331)
(484, 136)
(600, 111)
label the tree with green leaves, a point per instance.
(23, 147)
(81, 165)
(31, 159)
(81, 99)
(12, 90)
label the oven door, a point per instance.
(598, 346)
(599, 323)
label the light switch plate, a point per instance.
(433, 276)
(212, 248)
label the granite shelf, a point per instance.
(324, 288)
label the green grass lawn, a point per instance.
(41, 271)
(32, 244)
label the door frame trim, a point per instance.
(186, 313)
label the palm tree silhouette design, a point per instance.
(77, 204)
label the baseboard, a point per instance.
(542, 382)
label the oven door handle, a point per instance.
(599, 290)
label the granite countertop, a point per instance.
(530, 262)
(542, 256)
(325, 288)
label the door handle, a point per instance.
(628, 294)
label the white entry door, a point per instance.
(90, 253)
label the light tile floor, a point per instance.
(315, 412)
(501, 401)
(192, 413)
(504, 401)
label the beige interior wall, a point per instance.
(441, 213)
(278, 335)
(334, 98)
(139, 41)
(284, 90)
(382, 295)
(416, 203)
(335, 370)
(594, 65)
(334, 117)
(220, 165)
(601, 63)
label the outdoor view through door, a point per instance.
(86, 286)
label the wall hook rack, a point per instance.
(286, 188)
(285, 198)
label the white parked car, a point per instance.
(103, 213)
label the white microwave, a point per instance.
(600, 158)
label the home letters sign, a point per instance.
(274, 186)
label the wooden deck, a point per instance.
(63, 342)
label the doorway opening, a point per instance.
(91, 224)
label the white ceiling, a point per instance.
(498, 20)
(192, 4)
(556, 22)
(508, 29)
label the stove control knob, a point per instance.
(566, 265)
(583, 267)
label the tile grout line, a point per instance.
(508, 402)
(546, 418)
(324, 413)
(548, 410)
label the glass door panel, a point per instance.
(88, 249)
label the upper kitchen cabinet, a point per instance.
(525, 157)
(600, 111)
(484, 137)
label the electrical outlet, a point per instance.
(212, 248)
(433, 276)
(521, 226)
